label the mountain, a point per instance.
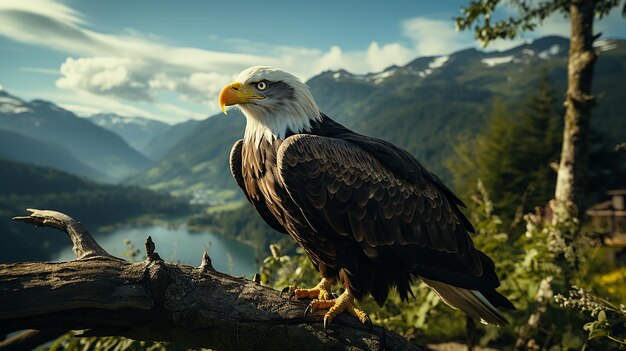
(197, 159)
(136, 131)
(17, 147)
(422, 106)
(28, 186)
(94, 146)
(167, 139)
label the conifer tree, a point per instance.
(512, 154)
(538, 134)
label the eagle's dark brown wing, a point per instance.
(258, 203)
(412, 225)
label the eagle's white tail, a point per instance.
(472, 302)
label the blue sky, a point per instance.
(168, 60)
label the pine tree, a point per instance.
(475, 156)
(539, 133)
(512, 154)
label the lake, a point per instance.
(178, 245)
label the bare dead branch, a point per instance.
(84, 244)
(155, 300)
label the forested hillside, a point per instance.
(28, 186)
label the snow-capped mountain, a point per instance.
(469, 62)
(41, 125)
(10, 103)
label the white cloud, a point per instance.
(333, 59)
(45, 8)
(199, 87)
(114, 76)
(202, 86)
(379, 58)
(374, 59)
(435, 37)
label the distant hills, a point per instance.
(96, 148)
(164, 142)
(136, 131)
(422, 106)
(29, 186)
(15, 146)
(197, 157)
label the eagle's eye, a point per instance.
(262, 85)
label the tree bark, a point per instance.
(158, 301)
(579, 102)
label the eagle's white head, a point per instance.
(273, 101)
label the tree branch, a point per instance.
(84, 244)
(155, 300)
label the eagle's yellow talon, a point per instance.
(320, 292)
(317, 305)
(345, 302)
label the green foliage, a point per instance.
(511, 155)
(528, 273)
(479, 16)
(546, 260)
(610, 318)
(279, 270)
(492, 162)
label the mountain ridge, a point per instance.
(94, 146)
(136, 131)
(43, 153)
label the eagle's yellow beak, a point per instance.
(234, 94)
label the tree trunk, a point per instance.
(158, 301)
(570, 183)
(579, 101)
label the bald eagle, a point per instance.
(366, 212)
